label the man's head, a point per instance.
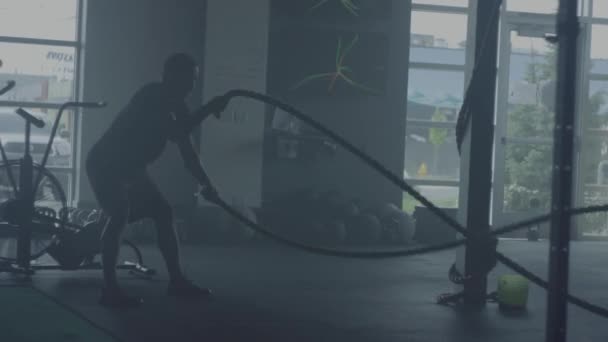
(180, 74)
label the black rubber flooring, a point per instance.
(265, 292)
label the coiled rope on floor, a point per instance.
(398, 181)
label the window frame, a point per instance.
(78, 47)
(465, 68)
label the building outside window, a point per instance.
(437, 73)
(440, 64)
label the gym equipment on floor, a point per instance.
(34, 212)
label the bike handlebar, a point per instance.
(99, 104)
(30, 118)
(9, 85)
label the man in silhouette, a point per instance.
(116, 166)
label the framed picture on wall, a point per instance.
(308, 62)
(334, 11)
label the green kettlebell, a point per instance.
(513, 292)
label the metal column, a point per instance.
(481, 147)
(563, 156)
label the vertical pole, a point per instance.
(563, 156)
(481, 148)
(26, 201)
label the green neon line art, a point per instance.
(342, 72)
(348, 5)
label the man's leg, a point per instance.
(112, 197)
(148, 201)
(110, 246)
(168, 242)
(111, 238)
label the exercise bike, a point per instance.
(34, 211)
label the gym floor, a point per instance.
(265, 292)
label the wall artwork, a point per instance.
(332, 11)
(310, 62)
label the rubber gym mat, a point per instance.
(26, 315)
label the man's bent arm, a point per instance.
(196, 117)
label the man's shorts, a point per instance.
(135, 196)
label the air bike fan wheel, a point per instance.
(49, 202)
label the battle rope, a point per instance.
(333, 252)
(377, 166)
(444, 299)
(379, 254)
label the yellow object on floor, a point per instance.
(513, 291)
